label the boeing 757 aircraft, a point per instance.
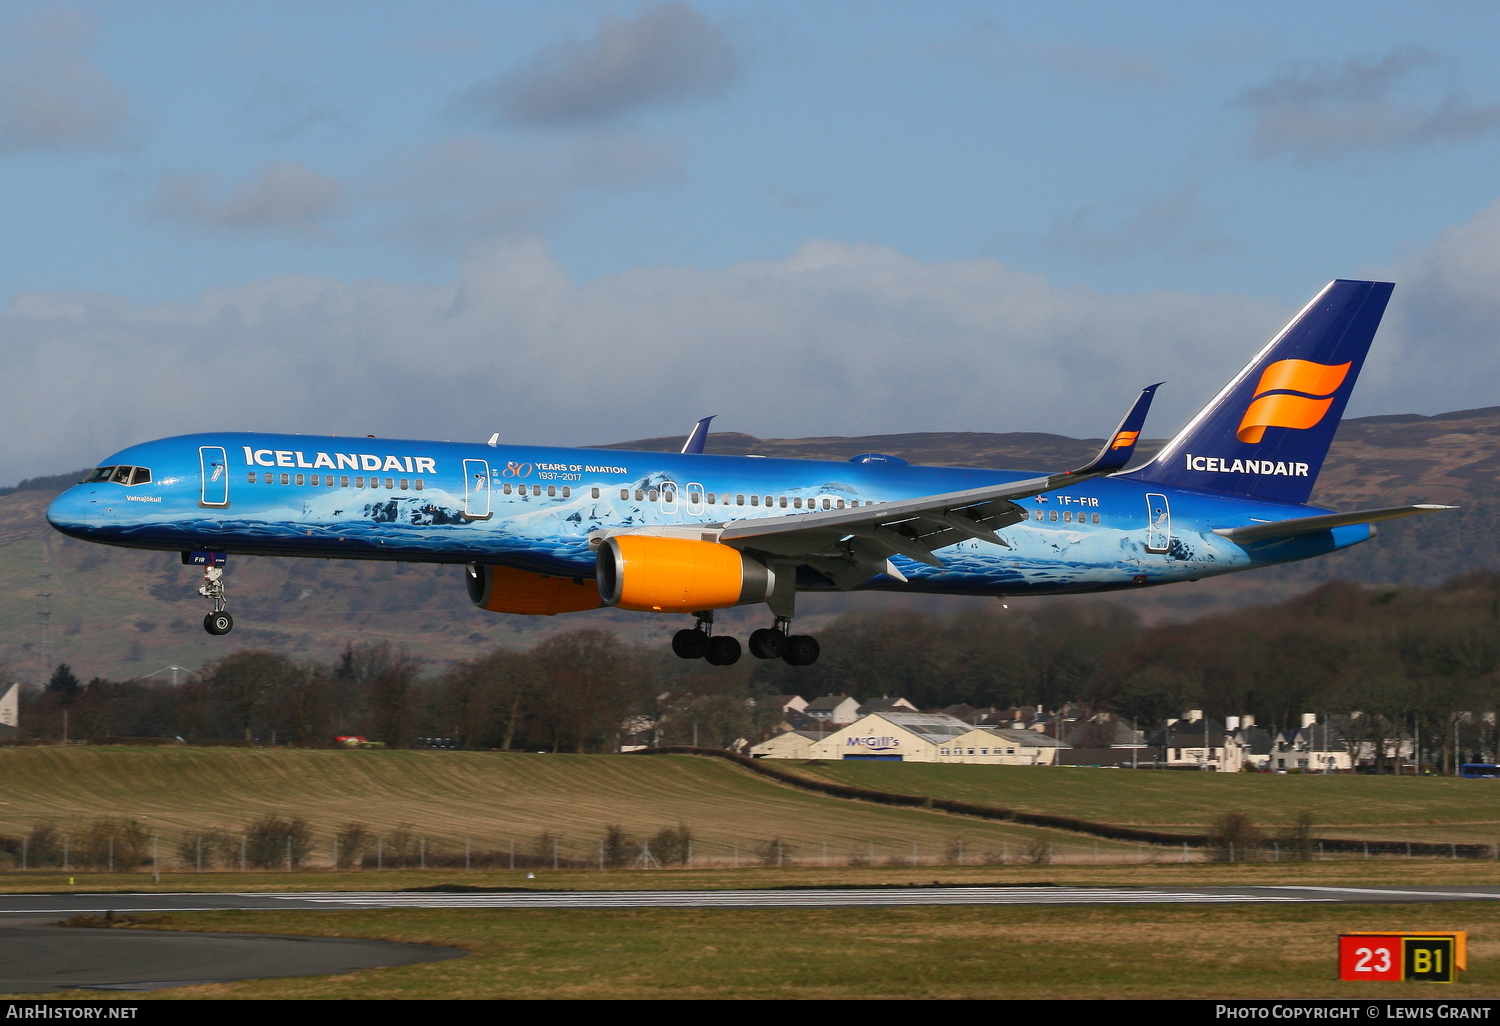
(547, 530)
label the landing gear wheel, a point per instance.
(689, 643)
(801, 650)
(767, 643)
(723, 650)
(218, 623)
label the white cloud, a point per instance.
(668, 54)
(834, 339)
(1320, 111)
(52, 97)
(285, 199)
(1174, 224)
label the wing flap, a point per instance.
(1323, 522)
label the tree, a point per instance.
(64, 683)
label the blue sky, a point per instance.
(591, 221)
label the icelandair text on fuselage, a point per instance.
(346, 461)
(1373, 1011)
(1219, 465)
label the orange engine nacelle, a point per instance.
(504, 589)
(678, 575)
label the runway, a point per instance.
(14, 906)
(37, 955)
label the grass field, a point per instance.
(1031, 952)
(1343, 805)
(489, 798)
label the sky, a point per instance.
(590, 221)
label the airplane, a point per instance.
(544, 531)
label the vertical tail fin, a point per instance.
(1266, 434)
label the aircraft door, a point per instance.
(213, 467)
(1158, 523)
(694, 503)
(477, 490)
(669, 497)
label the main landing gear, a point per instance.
(775, 642)
(217, 622)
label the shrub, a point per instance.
(1233, 838)
(1296, 841)
(354, 843)
(673, 846)
(275, 843)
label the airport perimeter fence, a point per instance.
(272, 844)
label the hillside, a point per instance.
(122, 613)
(491, 798)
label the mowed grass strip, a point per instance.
(1189, 801)
(485, 797)
(1182, 951)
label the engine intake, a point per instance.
(679, 575)
(504, 589)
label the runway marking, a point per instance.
(762, 899)
(1386, 890)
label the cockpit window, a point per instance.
(120, 475)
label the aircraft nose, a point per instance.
(74, 512)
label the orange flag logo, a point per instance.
(1291, 394)
(1125, 439)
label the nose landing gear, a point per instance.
(217, 622)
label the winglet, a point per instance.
(697, 436)
(1121, 445)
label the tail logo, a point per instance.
(1291, 394)
(1125, 439)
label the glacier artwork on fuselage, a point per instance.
(552, 530)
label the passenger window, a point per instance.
(419, 484)
(122, 475)
(853, 503)
(624, 493)
(797, 503)
(374, 482)
(755, 500)
(782, 503)
(359, 482)
(640, 496)
(1052, 515)
(552, 491)
(254, 477)
(594, 492)
(300, 479)
(286, 479)
(142, 476)
(404, 484)
(653, 495)
(344, 482)
(712, 498)
(739, 500)
(505, 488)
(1095, 518)
(841, 504)
(389, 483)
(1067, 518)
(536, 490)
(567, 492)
(1037, 515)
(827, 504)
(695, 498)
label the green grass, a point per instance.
(1403, 808)
(487, 797)
(1198, 952)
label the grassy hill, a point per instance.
(1442, 809)
(488, 797)
(121, 613)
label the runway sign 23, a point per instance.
(1434, 957)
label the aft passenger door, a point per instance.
(213, 468)
(477, 490)
(1158, 523)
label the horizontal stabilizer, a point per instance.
(1327, 521)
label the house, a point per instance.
(1254, 742)
(832, 710)
(1196, 742)
(884, 704)
(1312, 748)
(9, 711)
(788, 703)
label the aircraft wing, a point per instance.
(850, 546)
(1323, 522)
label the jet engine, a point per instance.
(504, 589)
(678, 575)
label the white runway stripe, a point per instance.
(764, 899)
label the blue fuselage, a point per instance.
(534, 508)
